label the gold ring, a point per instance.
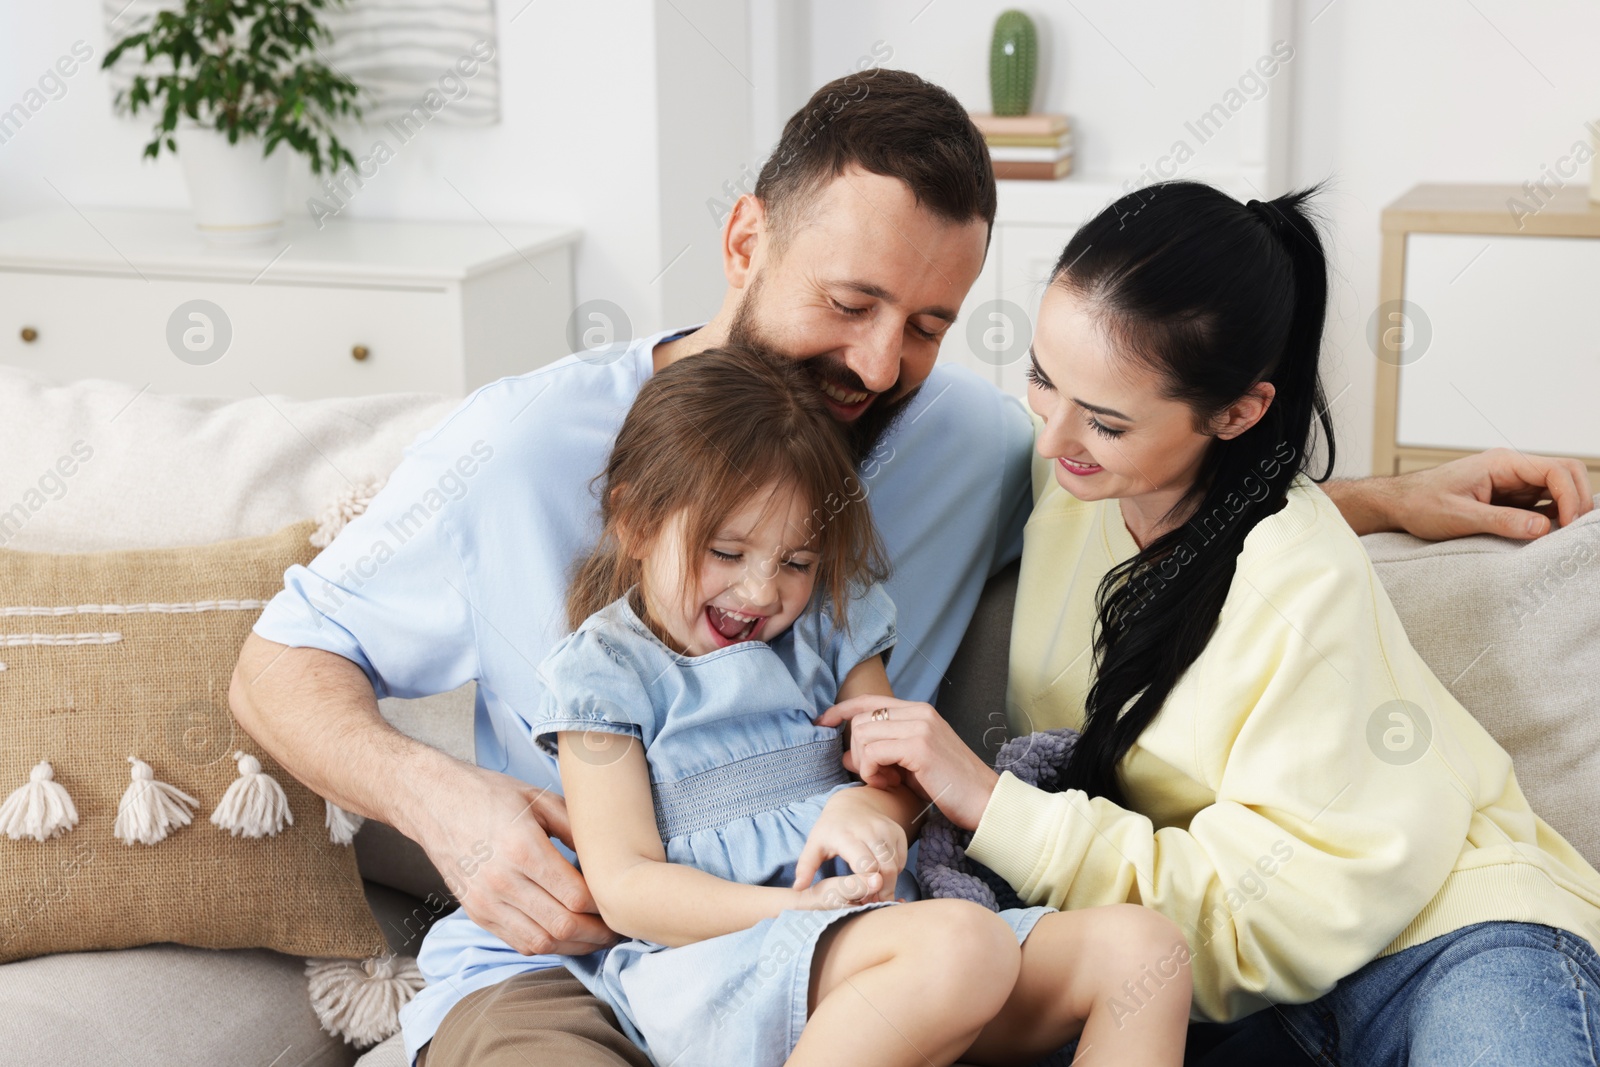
(880, 715)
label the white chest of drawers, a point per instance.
(356, 307)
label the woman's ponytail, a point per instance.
(1298, 373)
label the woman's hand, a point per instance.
(861, 835)
(914, 743)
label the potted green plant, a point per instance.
(230, 81)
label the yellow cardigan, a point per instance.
(1292, 820)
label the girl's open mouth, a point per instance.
(731, 627)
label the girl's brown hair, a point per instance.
(705, 434)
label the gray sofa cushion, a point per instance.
(168, 1005)
(1513, 631)
(162, 1005)
(389, 858)
(391, 1053)
(973, 696)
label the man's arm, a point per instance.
(316, 713)
(1494, 492)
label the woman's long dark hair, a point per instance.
(1214, 296)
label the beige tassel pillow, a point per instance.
(133, 809)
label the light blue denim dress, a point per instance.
(739, 773)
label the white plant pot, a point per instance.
(237, 194)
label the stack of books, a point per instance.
(1028, 146)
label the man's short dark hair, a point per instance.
(887, 122)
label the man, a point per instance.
(865, 232)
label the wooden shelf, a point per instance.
(1493, 210)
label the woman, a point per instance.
(1264, 758)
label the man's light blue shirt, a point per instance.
(457, 571)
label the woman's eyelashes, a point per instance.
(1035, 376)
(1102, 429)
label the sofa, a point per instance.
(1512, 629)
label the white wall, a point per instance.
(1390, 95)
(780, 51)
(703, 110)
(1130, 75)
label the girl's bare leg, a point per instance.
(1116, 977)
(909, 985)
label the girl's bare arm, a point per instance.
(639, 893)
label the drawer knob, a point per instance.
(29, 334)
(359, 352)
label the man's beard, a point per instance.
(868, 429)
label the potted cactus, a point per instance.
(230, 82)
(1013, 63)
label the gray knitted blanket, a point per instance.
(943, 867)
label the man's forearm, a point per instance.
(487, 833)
(1367, 504)
(316, 714)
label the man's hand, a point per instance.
(1493, 492)
(489, 834)
(858, 833)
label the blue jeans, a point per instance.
(1494, 994)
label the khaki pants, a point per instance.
(537, 1018)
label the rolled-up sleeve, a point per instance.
(390, 593)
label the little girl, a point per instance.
(731, 599)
